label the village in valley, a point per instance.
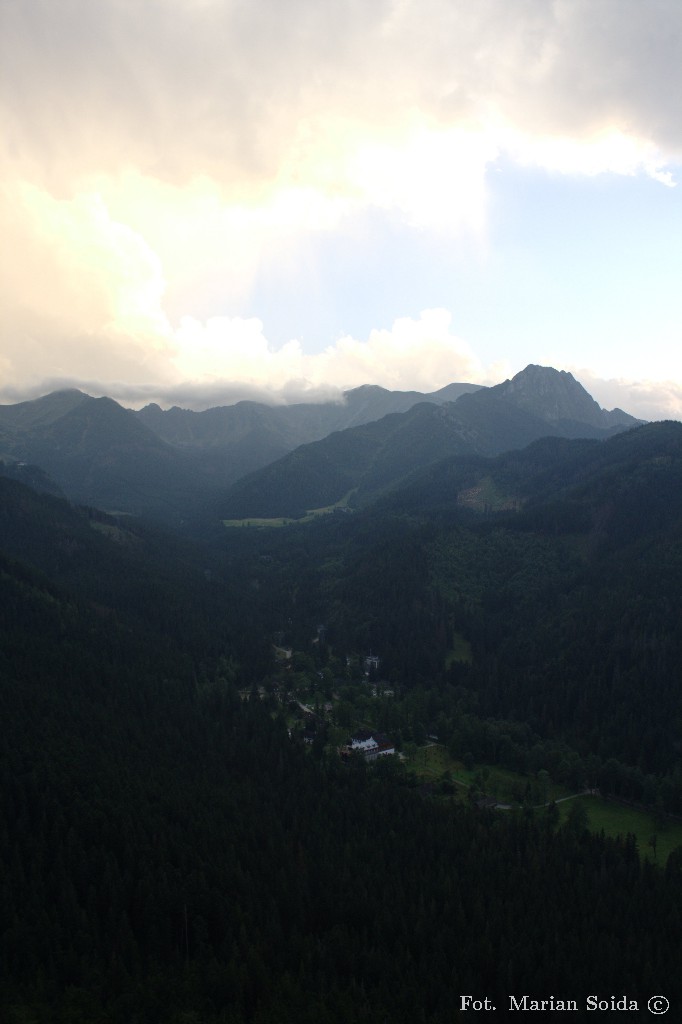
(343, 709)
(340, 708)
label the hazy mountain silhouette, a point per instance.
(376, 457)
(273, 460)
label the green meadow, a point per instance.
(616, 819)
(655, 841)
(311, 513)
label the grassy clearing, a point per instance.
(276, 521)
(616, 820)
(260, 523)
(326, 509)
(314, 513)
(459, 652)
(431, 762)
(503, 784)
(485, 496)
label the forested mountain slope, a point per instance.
(556, 568)
(362, 463)
(285, 427)
(142, 581)
(32, 476)
(168, 465)
(170, 854)
(324, 472)
(99, 454)
(164, 464)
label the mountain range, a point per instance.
(353, 467)
(254, 459)
(174, 850)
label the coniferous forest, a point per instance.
(173, 851)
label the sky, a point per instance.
(209, 200)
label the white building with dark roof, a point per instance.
(372, 744)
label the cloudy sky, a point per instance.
(204, 200)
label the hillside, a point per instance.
(166, 464)
(99, 454)
(285, 426)
(228, 442)
(170, 465)
(554, 567)
(171, 853)
(369, 460)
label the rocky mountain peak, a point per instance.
(555, 395)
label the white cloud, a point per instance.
(434, 177)
(226, 359)
(153, 154)
(606, 151)
(81, 291)
(420, 354)
(645, 399)
(233, 349)
(239, 91)
(187, 394)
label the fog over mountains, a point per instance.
(255, 459)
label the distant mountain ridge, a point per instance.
(287, 425)
(359, 464)
(165, 463)
(170, 463)
(97, 452)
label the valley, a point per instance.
(488, 586)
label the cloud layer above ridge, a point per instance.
(156, 154)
